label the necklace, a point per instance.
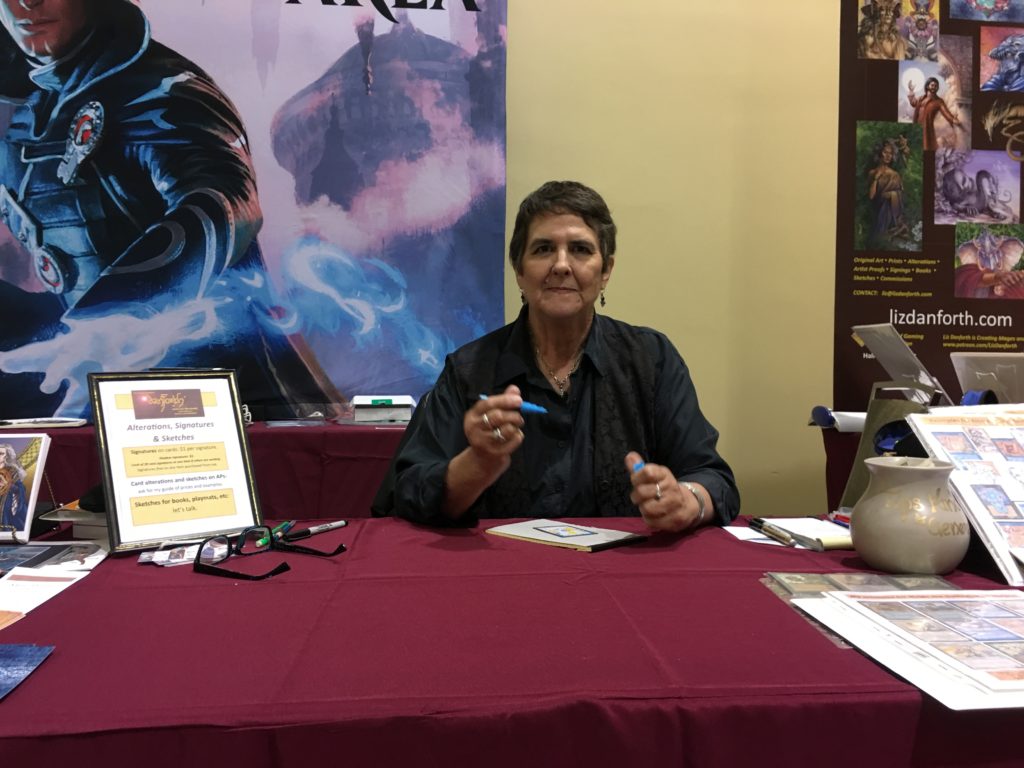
(562, 384)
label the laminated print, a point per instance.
(976, 185)
(987, 10)
(937, 96)
(878, 30)
(138, 237)
(1001, 59)
(919, 26)
(888, 187)
(988, 262)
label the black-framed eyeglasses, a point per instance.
(250, 541)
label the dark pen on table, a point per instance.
(772, 532)
(315, 529)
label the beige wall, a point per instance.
(710, 128)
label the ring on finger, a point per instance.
(498, 436)
(657, 491)
(487, 422)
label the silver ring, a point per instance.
(487, 422)
(498, 435)
(657, 491)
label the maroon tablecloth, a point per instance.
(301, 472)
(458, 648)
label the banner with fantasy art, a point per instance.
(931, 140)
(310, 193)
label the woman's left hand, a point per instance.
(664, 504)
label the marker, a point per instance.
(312, 531)
(772, 531)
(277, 531)
(526, 407)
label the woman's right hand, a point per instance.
(493, 427)
(493, 431)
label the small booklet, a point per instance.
(571, 536)
(814, 533)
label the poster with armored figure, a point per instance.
(948, 274)
(311, 194)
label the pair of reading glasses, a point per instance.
(251, 541)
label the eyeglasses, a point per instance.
(251, 541)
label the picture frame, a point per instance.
(22, 463)
(174, 456)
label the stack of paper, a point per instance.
(561, 534)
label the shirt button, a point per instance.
(561, 443)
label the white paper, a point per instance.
(22, 589)
(962, 673)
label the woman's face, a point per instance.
(561, 273)
(45, 29)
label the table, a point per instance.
(315, 471)
(458, 648)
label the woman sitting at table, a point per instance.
(623, 433)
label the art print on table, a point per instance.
(564, 531)
(22, 459)
(1014, 533)
(861, 582)
(983, 470)
(957, 446)
(974, 655)
(996, 501)
(980, 439)
(802, 583)
(18, 662)
(1014, 650)
(1010, 448)
(926, 630)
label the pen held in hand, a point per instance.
(313, 530)
(526, 407)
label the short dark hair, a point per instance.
(564, 197)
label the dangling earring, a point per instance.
(602, 297)
(522, 297)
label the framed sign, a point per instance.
(174, 456)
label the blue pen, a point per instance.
(638, 466)
(526, 407)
